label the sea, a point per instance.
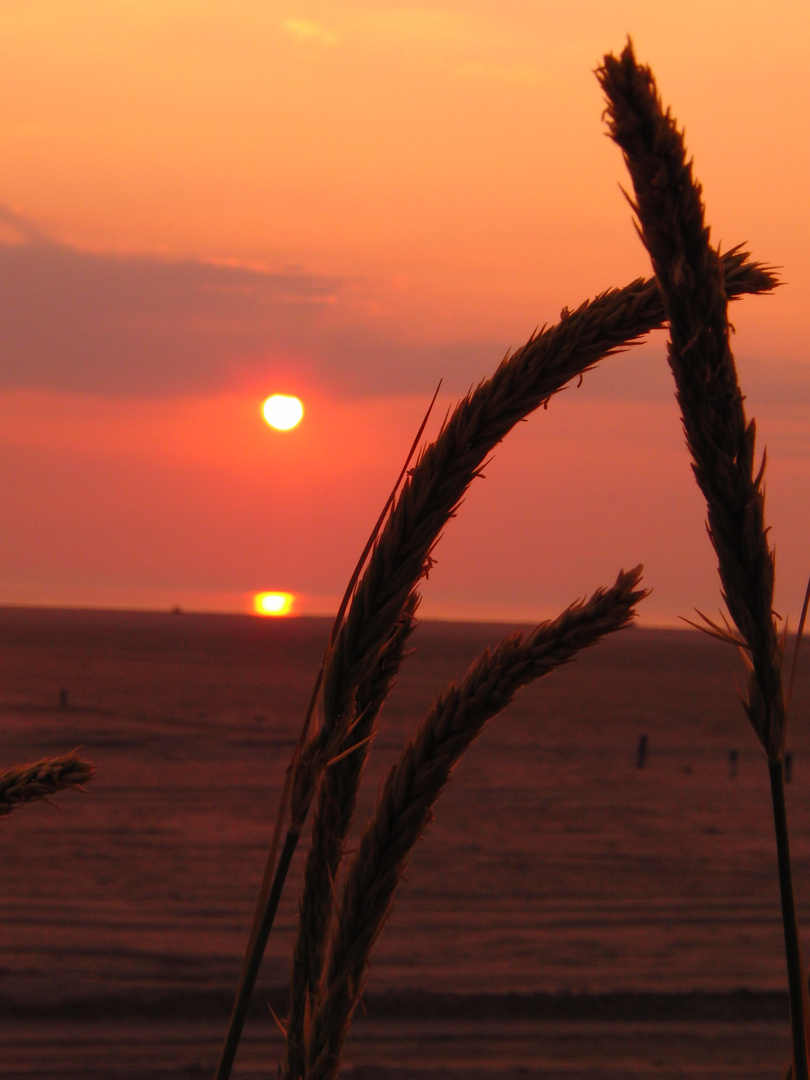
(596, 896)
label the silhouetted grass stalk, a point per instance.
(37, 782)
(402, 553)
(797, 977)
(337, 798)
(273, 879)
(406, 800)
(668, 202)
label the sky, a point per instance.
(202, 204)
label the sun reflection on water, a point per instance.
(273, 603)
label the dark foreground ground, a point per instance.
(402, 1037)
(406, 1049)
(568, 913)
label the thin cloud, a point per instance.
(139, 325)
(16, 229)
(309, 31)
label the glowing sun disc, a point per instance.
(273, 603)
(282, 411)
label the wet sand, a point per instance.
(616, 920)
(129, 1050)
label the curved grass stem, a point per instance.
(797, 986)
(240, 1005)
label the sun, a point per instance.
(273, 603)
(282, 411)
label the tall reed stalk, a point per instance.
(689, 272)
(337, 799)
(403, 554)
(408, 795)
(367, 646)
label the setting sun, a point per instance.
(273, 603)
(282, 412)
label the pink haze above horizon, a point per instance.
(206, 205)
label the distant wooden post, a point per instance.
(641, 752)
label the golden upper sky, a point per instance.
(435, 152)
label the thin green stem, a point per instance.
(795, 966)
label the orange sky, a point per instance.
(205, 203)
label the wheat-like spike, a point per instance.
(690, 274)
(27, 783)
(402, 554)
(332, 820)
(671, 223)
(525, 380)
(415, 783)
(599, 328)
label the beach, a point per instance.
(568, 912)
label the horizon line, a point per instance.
(295, 616)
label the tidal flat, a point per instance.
(569, 911)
